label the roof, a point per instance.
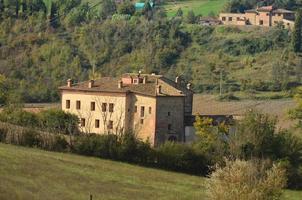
(283, 11)
(266, 8)
(110, 84)
(251, 11)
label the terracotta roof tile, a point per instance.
(109, 84)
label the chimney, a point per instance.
(158, 89)
(145, 80)
(69, 82)
(189, 86)
(90, 83)
(120, 84)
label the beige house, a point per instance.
(263, 16)
(151, 106)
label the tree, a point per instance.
(108, 8)
(254, 136)
(53, 16)
(296, 35)
(247, 180)
(191, 18)
(2, 7)
(147, 10)
(179, 13)
(126, 8)
(211, 139)
(296, 114)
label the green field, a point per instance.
(34, 174)
(203, 7)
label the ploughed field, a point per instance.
(27, 173)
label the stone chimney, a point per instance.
(90, 83)
(189, 86)
(120, 84)
(158, 89)
(69, 82)
(145, 80)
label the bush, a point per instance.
(104, 146)
(58, 121)
(247, 180)
(19, 117)
(180, 157)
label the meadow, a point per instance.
(27, 173)
(200, 7)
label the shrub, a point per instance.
(104, 146)
(55, 120)
(19, 117)
(180, 157)
(247, 180)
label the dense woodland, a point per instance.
(43, 43)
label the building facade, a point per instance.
(263, 16)
(151, 106)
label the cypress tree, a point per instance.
(2, 7)
(24, 6)
(17, 8)
(296, 37)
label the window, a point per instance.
(111, 107)
(135, 109)
(267, 14)
(83, 122)
(230, 18)
(104, 107)
(279, 14)
(92, 106)
(261, 22)
(142, 121)
(142, 111)
(223, 18)
(169, 113)
(238, 18)
(150, 110)
(97, 123)
(169, 127)
(78, 105)
(67, 104)
(110, 125)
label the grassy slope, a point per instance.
(203, 7)
(34, 174)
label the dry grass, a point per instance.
(208, 105)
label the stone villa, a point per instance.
(152, 106)
(262, 16)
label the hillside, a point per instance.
(199, 7)
(34, 174)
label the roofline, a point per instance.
(127, 91)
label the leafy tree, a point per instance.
(179, 13)
(108, 8)
(147, 10)
(254, 136)
(211, 139)
(126, 8)
(296, 35)
(2, 6)
(296, 113)
(191, 18)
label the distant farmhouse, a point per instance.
(152, 106)
(262, 16)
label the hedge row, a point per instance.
(170, 156)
